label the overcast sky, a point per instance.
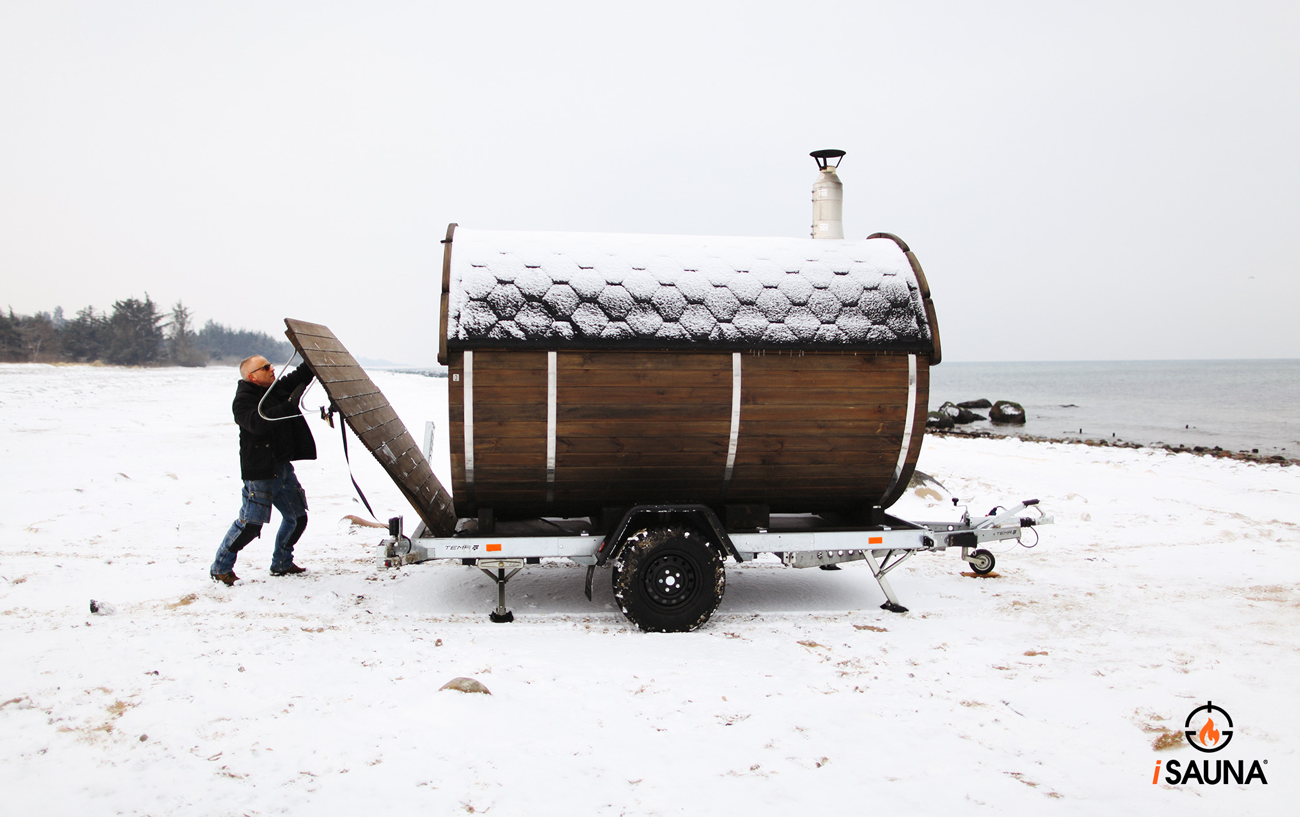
(1080, 180)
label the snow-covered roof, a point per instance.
(606, 290)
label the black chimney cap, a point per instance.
(822, 157)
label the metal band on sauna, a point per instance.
(469, 422)
(907, 426)
(735, 421)
(550, 425)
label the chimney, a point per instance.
(827, 196)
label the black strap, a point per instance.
(343, 431)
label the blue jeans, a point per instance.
(286, 494)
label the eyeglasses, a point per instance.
(265, 368)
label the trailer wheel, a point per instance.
(668, 580)
(982, 562)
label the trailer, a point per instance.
(667, 561)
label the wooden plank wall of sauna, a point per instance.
(509, 431)
(641, 426)
(818, 430)
(822, 431)
(630, 427)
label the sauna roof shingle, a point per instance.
(606, 290)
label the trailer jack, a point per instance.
(879, 569)
(501, 615)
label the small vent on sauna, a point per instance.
(827, 196)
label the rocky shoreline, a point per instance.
(1199, 450)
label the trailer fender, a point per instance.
(700, 517)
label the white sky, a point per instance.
(1080, 180)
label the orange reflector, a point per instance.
(491, 548)
(871, 540)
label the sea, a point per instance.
(1238, 405)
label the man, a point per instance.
(266, 451)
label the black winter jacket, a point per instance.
(264, 444)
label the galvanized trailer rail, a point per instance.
(794, 539)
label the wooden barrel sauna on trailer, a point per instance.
(595, 371)
(656, 404)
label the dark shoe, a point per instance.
(225, 578)
(291, 570)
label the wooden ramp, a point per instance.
(373, 420)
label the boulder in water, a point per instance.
(938, 420)
(974, 404)
(1005, 412)
(960, 415)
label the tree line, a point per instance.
(133, 333)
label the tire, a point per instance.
(668, 580)
(983, 562)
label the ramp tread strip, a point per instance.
(355, 421)
(353, 388)
(381, 435)
(316, 345)
(332, 360)
(361, 403)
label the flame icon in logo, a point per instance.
(1209, 735)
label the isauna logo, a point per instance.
(1209, 737)
(1209, 729)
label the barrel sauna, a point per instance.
(591, 371)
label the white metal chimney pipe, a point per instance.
(827, 196)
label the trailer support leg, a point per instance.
(501, 615)
(892, 604)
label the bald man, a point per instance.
(267, 449)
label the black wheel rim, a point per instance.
(670, 580)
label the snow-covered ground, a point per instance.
(1168, 580)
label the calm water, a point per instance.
(1235, 404)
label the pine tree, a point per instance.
(181, 338)
(135, 336)
(85, 336)
(11, 340)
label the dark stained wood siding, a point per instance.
(640, 424)
(509, 430)
(818, 431)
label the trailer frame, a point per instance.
(798, 540)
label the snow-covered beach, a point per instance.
(1168, 581)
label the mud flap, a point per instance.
(373, 420)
